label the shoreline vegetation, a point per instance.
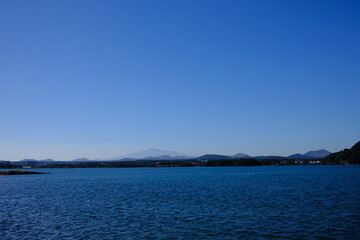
(187, 163)
(180, 163)
(344, 157)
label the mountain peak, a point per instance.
(240, 155)
(318, 154)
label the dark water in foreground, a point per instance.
(295, 202)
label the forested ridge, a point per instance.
(346, 156)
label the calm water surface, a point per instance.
(295, 202)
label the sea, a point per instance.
(264, 202)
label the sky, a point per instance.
(99, 79)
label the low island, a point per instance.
(18, 172)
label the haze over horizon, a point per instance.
(100, 79)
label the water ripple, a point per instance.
(310, 202)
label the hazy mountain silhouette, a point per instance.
(318, 154)
(81, 160)
(240, 155)
(311, 154)
(153, 153)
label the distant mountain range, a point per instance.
(152, 157)
(157, 154)
(309, 155)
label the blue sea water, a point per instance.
(292, 202)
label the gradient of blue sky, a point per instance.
(99, 79)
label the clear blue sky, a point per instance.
(99, 79)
